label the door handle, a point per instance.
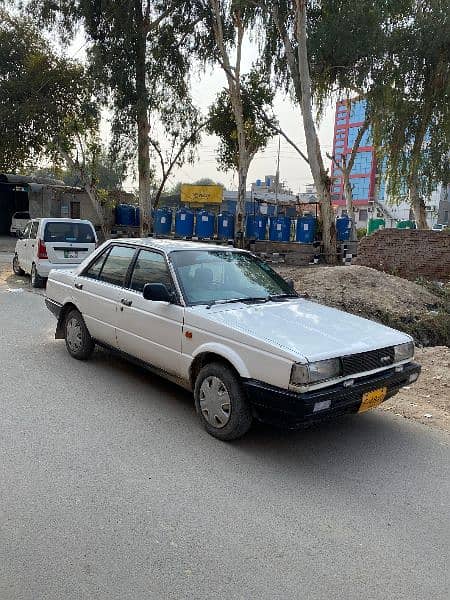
(79, 286)
(126, 302)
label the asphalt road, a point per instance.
(111, 490)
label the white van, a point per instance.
(47, 244)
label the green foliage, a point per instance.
(42, 96)
(257, 96)
(117, 34)
(411, 100)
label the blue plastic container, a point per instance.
(204, 224)
(343, 228)
(184, 222)
(256, 227)
(225, 226)
(280, 229)
(125, 215)
(137, 217)
(162, 221)
(305, 230)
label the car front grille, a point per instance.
(367, 361)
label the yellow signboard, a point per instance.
(204, 194)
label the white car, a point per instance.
(51, 243)
(18, 222)
(223, 324)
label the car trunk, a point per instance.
(68, 243)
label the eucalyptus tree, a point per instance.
(287, 51)
(221, 31)
(256, 99)
(46, 108)
(139, 52)
(411, 101)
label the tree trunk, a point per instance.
(320, 175)
(234, 89)
(418, 205)
(348, 195)
(142, 122)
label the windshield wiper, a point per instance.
(245, 299)
(281, 297)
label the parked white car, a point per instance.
(47, 244)
(18, 222)
(223, 324)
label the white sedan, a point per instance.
(223, 324)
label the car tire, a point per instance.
(79, 343)
(221, 403)
(36, 280)
(17, 269)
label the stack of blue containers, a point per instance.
(225, 226)
(184, 223)
(343, 228)
(305, 230)
(204, 224)
(280, 229)
(162, 221)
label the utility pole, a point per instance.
(277, 176)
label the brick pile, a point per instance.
(407, 253)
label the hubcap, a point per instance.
(73, 334)
(215, 402)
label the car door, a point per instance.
(149, 330)
(22, 244)
(99, 288)
(31, 249)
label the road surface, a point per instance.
(111, 490)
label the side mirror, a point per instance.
(157, 292)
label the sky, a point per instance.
(294, 171)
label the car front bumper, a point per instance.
(293, 410)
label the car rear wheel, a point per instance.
(79, 343)
(16, 266)
(36, 280)
(221, 403)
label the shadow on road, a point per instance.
(350, 443)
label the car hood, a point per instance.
(304, 329)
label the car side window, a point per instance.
(116, 265)
(33, 230)
(150, 267)
(26, 231)
(94, 270)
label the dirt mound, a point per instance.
(369, 293)
(427, 400)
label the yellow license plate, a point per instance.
(372, 399)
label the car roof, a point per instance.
(169, 245)
(61, 220)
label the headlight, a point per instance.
(316, 371)
(403, 351)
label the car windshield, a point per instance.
(210, 276)
(69, 232)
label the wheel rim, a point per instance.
(215, 402)
(15, 265)
(73, 334)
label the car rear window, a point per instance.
(69, 232)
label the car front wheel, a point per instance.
(79, 343)
(16, 266)
(221, 403)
